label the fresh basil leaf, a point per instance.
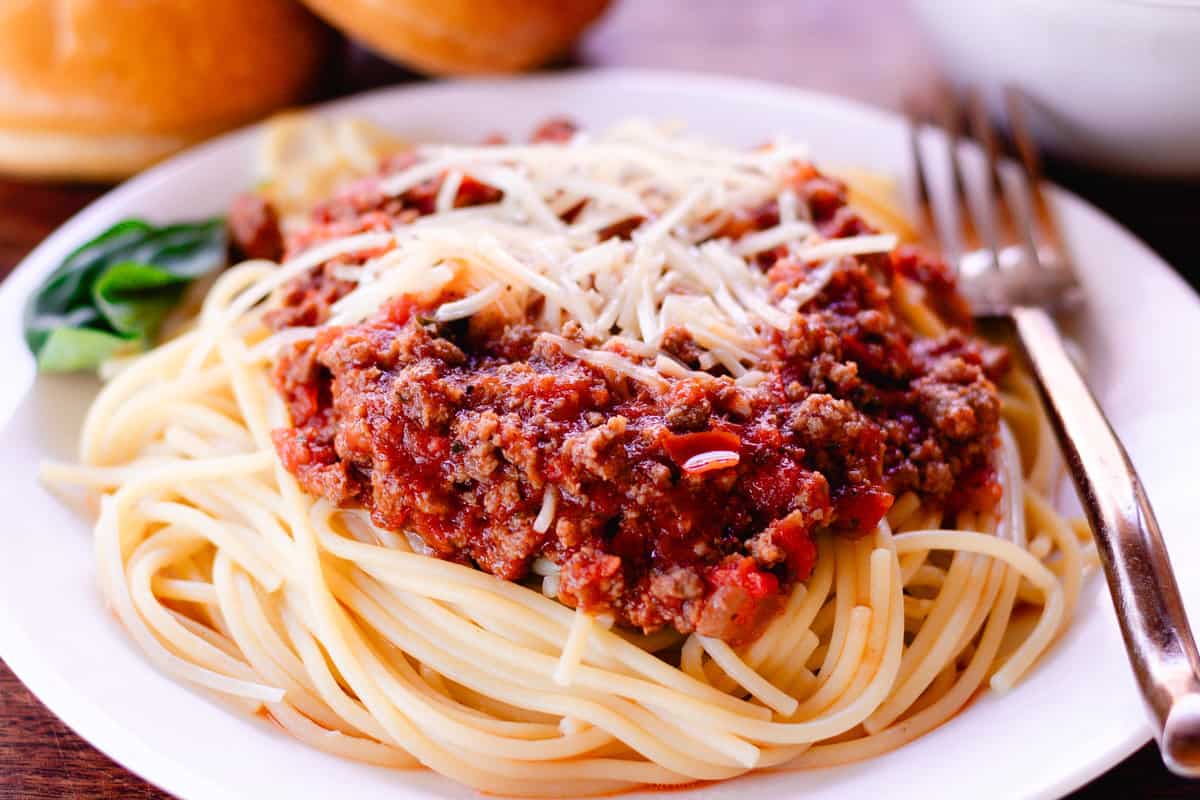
(187, 250)
(133, 298)
(67, 292)
(119, 285)
(71, 349)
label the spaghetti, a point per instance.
(358, 640)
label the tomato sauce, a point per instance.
(694, 507)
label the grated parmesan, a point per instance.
(674, 192)
(545, 516)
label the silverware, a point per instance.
(1013, 267)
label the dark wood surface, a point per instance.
(867, 49)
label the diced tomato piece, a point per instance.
(745, 574)
(858, 509)
(793, 534)
(977, 490)
(705, 451)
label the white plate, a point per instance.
(1076, 715)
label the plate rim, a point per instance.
(131, 751)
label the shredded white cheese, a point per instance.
(448, 193)
(670, 194)
(541, 523)
(849, 246)
(469, 305)
(544, 567)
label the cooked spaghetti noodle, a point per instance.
(358, 641)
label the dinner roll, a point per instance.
(457, 37)
(98, 89)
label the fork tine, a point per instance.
(1000, 221)
(1047, 227)
(927, 225)
(970, 240)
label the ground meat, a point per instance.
(688, 408)
(307, 299)
(556, 130)
(935, 276)
(678, 583)
(958, 397)
(765, 549)
(676, 341)
(598, 452)
(359, 207)
(621, 230)
(692, 508)
(443, 436)
(747, 220)
(254, 228)
(840, 439)
(435, 431)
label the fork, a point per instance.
(1012, 265)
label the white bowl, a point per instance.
(1113, 82)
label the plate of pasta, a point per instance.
(566, 436)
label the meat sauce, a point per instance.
(694, 507)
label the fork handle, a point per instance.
(1149, 609)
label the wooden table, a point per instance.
(867, 49)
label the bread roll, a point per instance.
(459, 37)
(98, 89)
